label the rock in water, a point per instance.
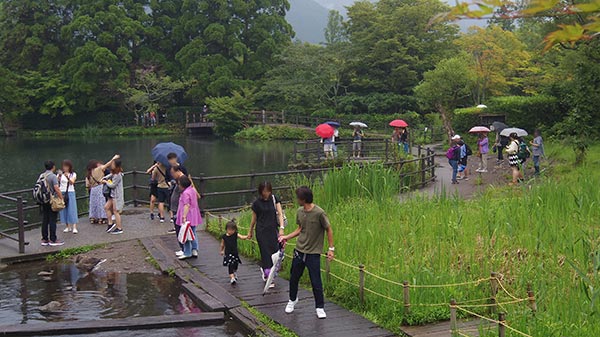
(86, 263)
(52, 306)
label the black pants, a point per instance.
(312, 262)
(233, 267)
(48, 223)
(499, 150)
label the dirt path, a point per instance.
(123, 257)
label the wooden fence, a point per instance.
(18, 211)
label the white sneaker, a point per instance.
(179, 253)
(66, 230)
(194, 253)
(75, 231)
(321, 313)
(483, 171)
(289, 308)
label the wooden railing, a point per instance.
(18, 212)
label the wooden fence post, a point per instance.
(494, 291)
(361, 283)
(531, 297)
(252, 180)
(202, 190)
(134, 187)
(501, 322)
(264, 117)
(453, 322)
(406, 292)
(423, 170)
(21, 223)
(282, 116)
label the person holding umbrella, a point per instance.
(513, 158)
(400, 135)
(326, 132)
(357, 137)
(484, 149)
(165, 155)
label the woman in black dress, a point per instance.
(267, 216)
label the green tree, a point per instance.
(309, 77)
(393, 43)
(151, 92)
(335, 32)
(446, 87)
(228, 112)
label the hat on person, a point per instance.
(456, 137)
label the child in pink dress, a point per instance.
(189, 211)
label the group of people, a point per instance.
(55, 193)
(400, 137)
(268, 224)
(516, 148)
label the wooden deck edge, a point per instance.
(136, 323)
(14, 259)
(251, 322)
(203, 299)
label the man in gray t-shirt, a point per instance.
(48, 215)
(312, 225)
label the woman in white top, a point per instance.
(66, 180)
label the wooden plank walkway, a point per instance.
(470, 327)
(133, 323)
(208, 273)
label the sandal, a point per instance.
(93, 221)
(104, 222)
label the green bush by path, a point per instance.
(271, 132)
(546, 234)
(91, 131)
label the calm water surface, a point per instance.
(23, 157)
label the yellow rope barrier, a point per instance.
(506, 291)
(462, 334)
(493, 321)
(519, 300)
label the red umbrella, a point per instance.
(325, 131)
(398, 123)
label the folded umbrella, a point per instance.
(398, 123)
(162, 150)
(520, 132)
(479, 129)
(359, 124)
(325, 130)
(498, 126)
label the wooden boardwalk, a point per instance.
(210, 277)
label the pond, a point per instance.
(23, 158)
(24, 296)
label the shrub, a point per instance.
(527, 112)
(466, 118)
(268, 132)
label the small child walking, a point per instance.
(229, 249)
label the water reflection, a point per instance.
(86, 296)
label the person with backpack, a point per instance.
(453, 155)
(45, 189)
(514, 159)
(465, 152)
(113, 192)
(538, 150)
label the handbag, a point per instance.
(66, 194)
(57, 204)
(106, 190)
(285, 220)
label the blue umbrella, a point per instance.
(162, 150)
(334, 124)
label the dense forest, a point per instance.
(86, 60)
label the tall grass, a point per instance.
(546, 235)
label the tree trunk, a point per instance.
(446, 121)
(4, 128)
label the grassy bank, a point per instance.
(287, 132)
(546, 234)
(92, 131)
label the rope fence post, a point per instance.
(453, 322)
(423, 169)
(494, 291)
(21, 223)
(501, 322)
(406, 293)
(361, 283)
(531, 298)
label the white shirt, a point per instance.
(62, 180)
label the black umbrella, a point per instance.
(498, 126)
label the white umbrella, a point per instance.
(481, 106)
(520, 132)
(359, 124)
